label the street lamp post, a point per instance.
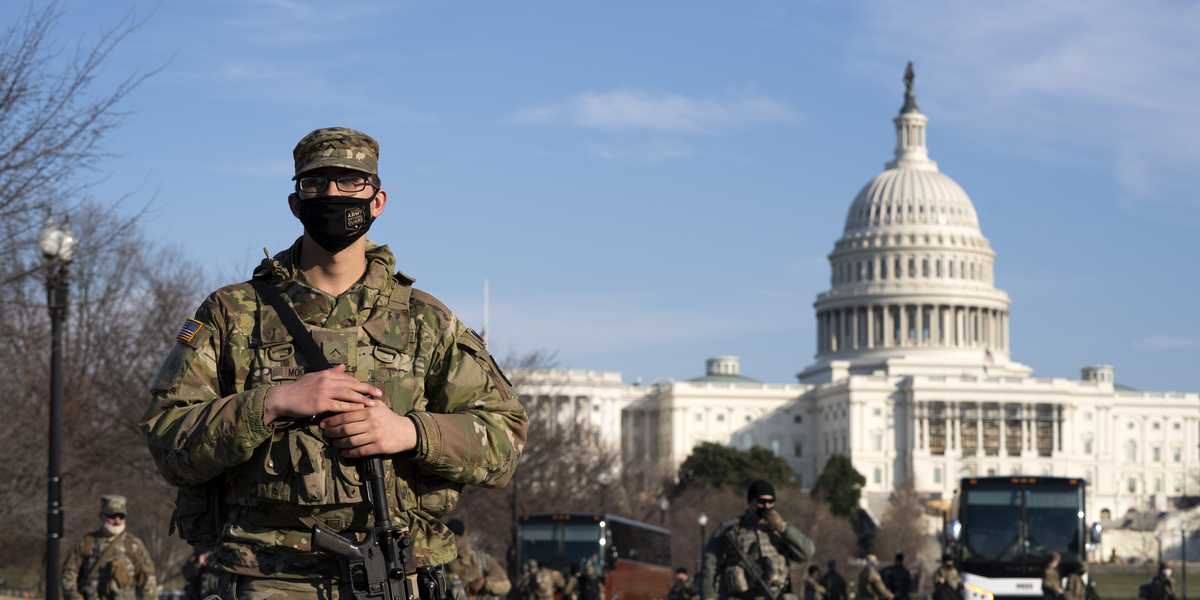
(702, 521)
(663, 505)
(57, 246)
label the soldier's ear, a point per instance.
(378, 204)
(293, 203)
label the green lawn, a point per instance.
(1123, 586)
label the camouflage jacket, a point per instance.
(205, 429)
(870, 585)
(109, 567)
(771, 552)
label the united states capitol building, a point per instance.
(913, 374)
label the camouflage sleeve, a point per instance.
(881, 590)
(473, 428)
(147, 584)
(711, 562)
(193, 432)
(794, 544)
(70, 574)
(495, 578)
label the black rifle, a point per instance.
(750, 568)
(377, 567)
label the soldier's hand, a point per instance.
(775, 520)
(331, 390)
(374, 430)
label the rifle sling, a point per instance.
(303, 340)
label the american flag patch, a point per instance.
(191, 328)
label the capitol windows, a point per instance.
(699, 417)
(1131, 485)
(1177, 484)
(1087, 445)
(937, 474)
(1158, 485)
(797, 449)
(747, 441)
(937, 428)
(720, 416)
(925, 268)
(1176, 426)
(1131, 451)
(991, 429)
(776, 447)
(912, 267)
(1156, 426)
(938, 265)
(1012, 429)
(797, 419)
(1105, 514)
(1156, 454)
(1176, 455)
(877, 440)
(871, 271)
(899, 268)
(878, 475)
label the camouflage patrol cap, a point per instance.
(336, 147)
(112, 505)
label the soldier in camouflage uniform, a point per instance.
(475, 573)
(947, 584)
(766, 541)
(109, 563)
(546, 583)
(200, 580)
(870, 584)
(262, 445)
(1051, 580)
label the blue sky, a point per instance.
(649, 184)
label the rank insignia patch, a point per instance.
(190, 331)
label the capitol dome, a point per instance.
(912, 275)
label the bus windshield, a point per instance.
(1022, 523)
(559, 545)
(1054, 522)
(993, 519)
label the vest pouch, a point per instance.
(310, 465)
(735, 580)
(197, 516)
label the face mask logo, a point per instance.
(355, 218)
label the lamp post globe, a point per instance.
(57, 246)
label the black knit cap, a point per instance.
(759, 488)
(456, 527)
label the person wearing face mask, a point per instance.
(109, 563)
(750, 557)
(263, 439)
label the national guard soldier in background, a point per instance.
(753, 552)
(813, 590)
(870, 584)
(1051, 580)
(547, 582)
(947, 583)
(110, 563)
(681, 586)
(475, 573)
(587, 584)
(1076, 588)
(244, 421)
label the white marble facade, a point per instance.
(913, 374)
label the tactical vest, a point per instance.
(757, 547)
(296, 467)
(106, 572)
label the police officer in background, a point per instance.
(897, 578)
(246, 425)
(833, 582)
(109, 563)
(758, 546)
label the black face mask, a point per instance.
(335, 222)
